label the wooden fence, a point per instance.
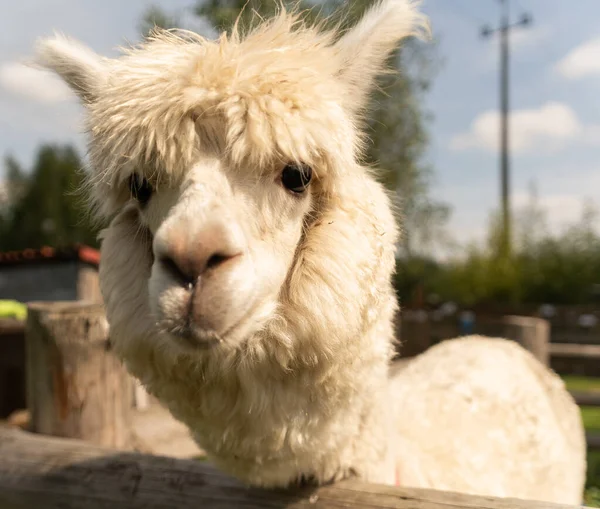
(575, 359)
(583, 355)
(52, 473)
(78, 456)
(417, 331)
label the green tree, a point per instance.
(43, 207)
(222, 14)
(563, 269)
(531, 225)
(156, 17)
(559, 268)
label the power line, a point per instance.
(504, 31)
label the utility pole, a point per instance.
(504, 31)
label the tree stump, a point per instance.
(531, 333)
(76, 387)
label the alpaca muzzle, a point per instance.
(197, 268)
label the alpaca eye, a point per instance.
(296, 177)
(140, 188)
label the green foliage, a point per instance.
(222, 14)
(416, 277)
(43, 208)
(581, 383)
(562, 268)
(399, 140)
(592, 494)
(155, 17)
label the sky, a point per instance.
(555, 109)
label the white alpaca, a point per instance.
(246, 270)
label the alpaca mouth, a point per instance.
(189, 334)
(195, 337)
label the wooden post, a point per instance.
(76, 387)
(530, 332)
(12, 366)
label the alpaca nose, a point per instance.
(186, 272)
(188, 255)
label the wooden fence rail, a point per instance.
(586, 398)
(56, 473)
(589, 399)
(575, 350)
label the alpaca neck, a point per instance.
(252, 416)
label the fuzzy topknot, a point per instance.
(250, 91)
(285, 90)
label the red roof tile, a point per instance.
(79, 252)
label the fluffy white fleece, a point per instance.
(298, 385)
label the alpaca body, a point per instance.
(246, 269)
(483, 416)
(492, 421)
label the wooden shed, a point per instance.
(46, 274)
(50, 274)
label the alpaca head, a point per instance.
(228, 171)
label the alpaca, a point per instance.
(246, 269)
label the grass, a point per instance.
(590, 415)
(591, 418)
(591, 422)
(582, 383)
(592, 485)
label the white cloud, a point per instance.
(560, 209)
(524, 43)
(36, 84)
(548, 127)
(581, 61)
(530, 36)
(470, 225)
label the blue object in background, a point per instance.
(466, 321)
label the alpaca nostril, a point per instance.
(184, 276)
(187, 270)
(216, 260)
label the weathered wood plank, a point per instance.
(10, 326)
(56, 473)
(593, 440)
(574, 350)
(586, 398)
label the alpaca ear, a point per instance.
(82, 69)
(365, 47)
